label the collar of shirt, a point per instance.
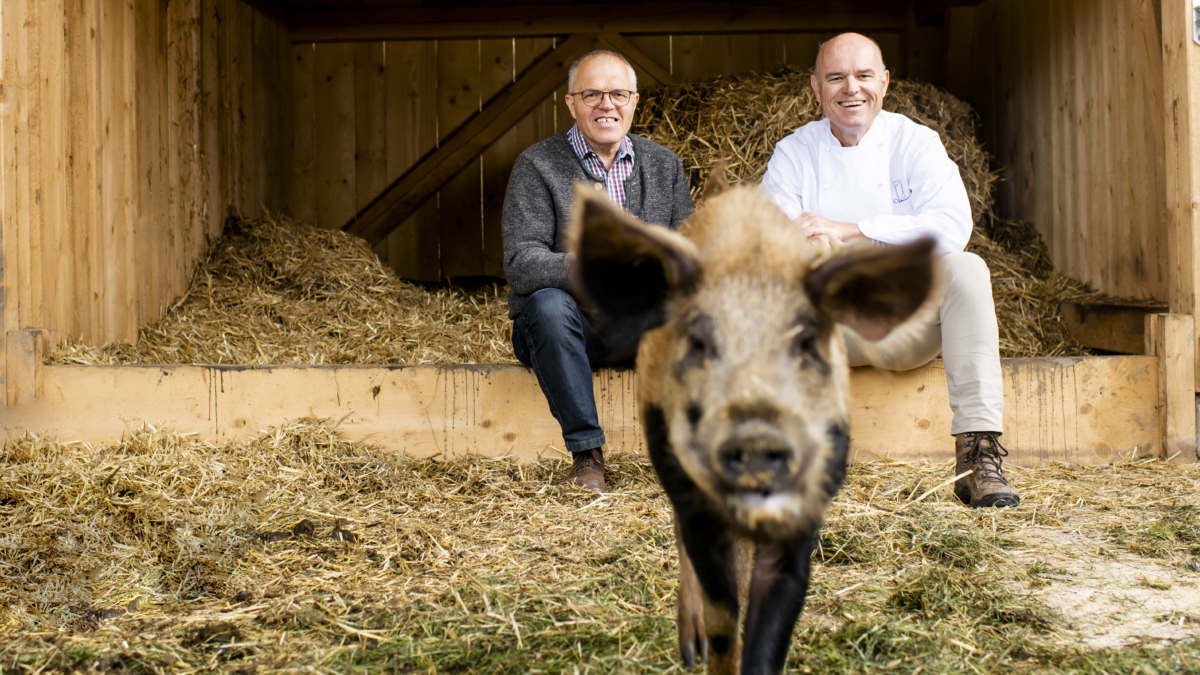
(876, 134)
(585, 152)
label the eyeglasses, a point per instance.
(592, 97)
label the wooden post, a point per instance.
(1181, 87)
(24, 350)
(1171, 338)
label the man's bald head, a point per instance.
(843, 38)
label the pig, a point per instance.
(743, 388)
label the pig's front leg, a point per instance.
(707, 544)
(778, 585)
(693, 640)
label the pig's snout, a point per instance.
(756, 457)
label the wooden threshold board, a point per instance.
(1078, 410)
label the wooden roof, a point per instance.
(336, 20)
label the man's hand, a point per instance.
(822, 231)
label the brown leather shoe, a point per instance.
(588, 470)
(980, 452)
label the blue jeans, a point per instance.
(552, 336)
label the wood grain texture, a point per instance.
(366, 23)
(1181, 159)
(17, 74)
(126, 130)
(462, 146)
(499, 65)
(150, 225)
(412, 132)
(1083, 411)
(370, 122)
(52, 218)
(83, 65)
(460, 207)
(1109, 326)
(302, 201)
(333, 144)
(1073, 110)
(1172, 339)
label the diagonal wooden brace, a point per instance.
(408, 192)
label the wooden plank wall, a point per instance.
(366, 112)
(127, 130)
(1070, 95)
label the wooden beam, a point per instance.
(1077, 410)
(638, 58)
(457, 149)
(270, 8)
(1171, 338)
(1108, 326)
(533, 20)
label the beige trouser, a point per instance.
(964, 331)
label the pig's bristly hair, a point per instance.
(743, 230)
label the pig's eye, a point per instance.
(700, 343)
(806, 346)
(804, 340)
(701, 337)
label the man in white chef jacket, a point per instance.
(863, 173)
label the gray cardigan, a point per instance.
(537, 208)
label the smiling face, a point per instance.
(850, 83)
(605, 124)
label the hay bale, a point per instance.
(739, 119)
(274, 291)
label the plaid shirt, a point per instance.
(614, 178)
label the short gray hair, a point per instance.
(599, 52)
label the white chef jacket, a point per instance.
(897, 184)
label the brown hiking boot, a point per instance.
(588, 470)
(980, 452)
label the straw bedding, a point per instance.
(738, 119)
(299, 550)
(272, 291)
(276, 291)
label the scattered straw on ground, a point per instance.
(279, 292)
(302, 551)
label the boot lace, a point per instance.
(984, 455)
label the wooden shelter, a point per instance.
(130, 130)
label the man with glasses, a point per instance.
(864, 174)
(550, 333)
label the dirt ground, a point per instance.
(1112, 598)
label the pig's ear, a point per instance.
(624, 269)
(718, 180)
(873, 289)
